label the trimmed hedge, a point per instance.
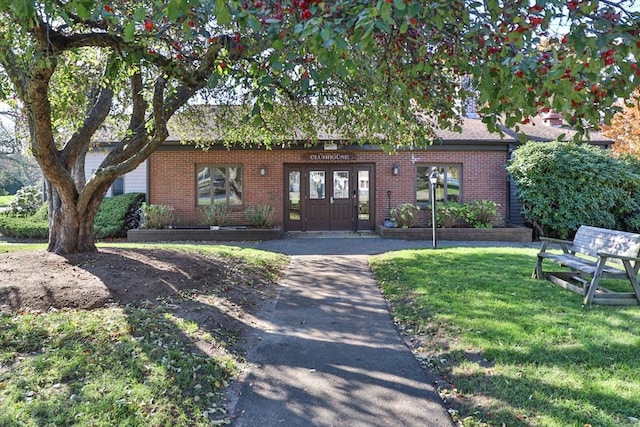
(115, 213)
(112, 220)
(24, 228)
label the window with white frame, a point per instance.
(219, 184)
(448, 186)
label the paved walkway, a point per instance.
(326, 351)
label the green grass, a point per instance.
(5, 201)
(124, 366)
(6, 247)
(515, 350)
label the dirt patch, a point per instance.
(218, 293)
(40, 280)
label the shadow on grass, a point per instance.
(161, 356)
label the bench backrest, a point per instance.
(591, 240)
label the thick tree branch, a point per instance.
(38, 108)
(61, 42)
(139, 105)
(80, 140)
(17, 75)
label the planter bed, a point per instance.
(223, 234)
(506, 234)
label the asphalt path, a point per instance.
(326, 352)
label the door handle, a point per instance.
(331, 199)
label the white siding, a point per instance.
(134, 181)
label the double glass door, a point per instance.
(329, 197)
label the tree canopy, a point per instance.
(388, 71)
(624, 129)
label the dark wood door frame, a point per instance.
(346, 202)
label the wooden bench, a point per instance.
(593, 254)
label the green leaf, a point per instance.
(129, 31)
(399, 4)
(383, 26)
(276, 65)
(326, 34)
(84, 9)
(223, 14)
(140, 14)
(386, 12)
(175, 9)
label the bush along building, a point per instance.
(338, 186)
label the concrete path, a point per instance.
(326, 351)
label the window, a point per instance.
(316, 184)
(363, 195)
(219, 184)
(340, 184)
(117, 187)
(448, 187)
(294, 195)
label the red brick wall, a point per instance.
(172, 177)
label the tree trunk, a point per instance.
(70, 230)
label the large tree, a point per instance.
(624, 128)
(388, 71)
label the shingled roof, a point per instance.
(474, 130)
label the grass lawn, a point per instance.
(5, 200)
(512, 350)
(118, 365)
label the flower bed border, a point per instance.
(498, 234)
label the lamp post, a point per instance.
(433, 178)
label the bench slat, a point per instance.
(591, 240)
(582, 264)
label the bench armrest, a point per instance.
(620, 257)
(564, 244)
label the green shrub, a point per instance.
(405, 215)
(117, 214)
(26, 201)
(480, 213)
(259, 216)
(565, 185)
(216, 214)
(448, 214)
(158, 216)
(33, 227)
(42, 214)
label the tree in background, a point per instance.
(394, 68)
(17, 169)
(624, 129)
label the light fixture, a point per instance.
(433, 179)
(395, 170)
(263, 170)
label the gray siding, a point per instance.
(134, 181)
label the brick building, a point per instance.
(337, 186)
